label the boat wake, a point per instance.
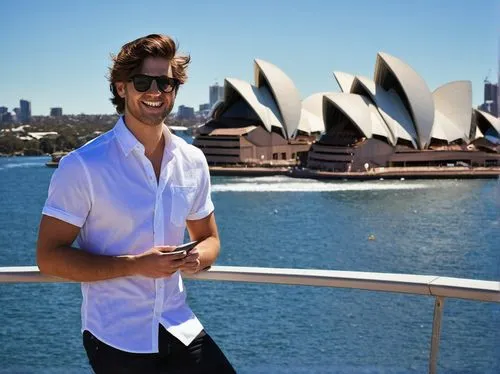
(286, 184)
(14, 165)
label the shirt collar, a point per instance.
(125, 138)
(128, 141)
(169, 141)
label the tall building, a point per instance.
(56, 112)
(490, 103)
(498, 81)
(215, 94)
(3, 111)
(16, 115)
(490, 91)
(24, 111)
(185, 112)
(6, 118)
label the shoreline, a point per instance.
(389, 173)
(3, 155)
(248, 171)
(377, 174)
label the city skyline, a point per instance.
(54, 61)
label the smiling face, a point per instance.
(152, 107)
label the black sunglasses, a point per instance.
(165, 84)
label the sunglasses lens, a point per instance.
(166, 84)
(162, 84)
(142, 83)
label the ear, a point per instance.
(120, 89)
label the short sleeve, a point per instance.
(202, 205)
(70, 195)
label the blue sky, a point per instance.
(56, 53)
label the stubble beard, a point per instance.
(149, 119)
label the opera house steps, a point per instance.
(374, 153)
(249, 150)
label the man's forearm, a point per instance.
(81, 266)
(209, 251)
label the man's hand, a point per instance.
(191, 262)
(158, 263)
(205, 252)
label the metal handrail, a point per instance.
(436, 286)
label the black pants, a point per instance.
(201, 356)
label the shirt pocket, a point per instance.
(182, 203)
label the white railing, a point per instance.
(438, 287)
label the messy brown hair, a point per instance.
(131, 56)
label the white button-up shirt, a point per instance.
(108, 188)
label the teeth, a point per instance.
(155, 104)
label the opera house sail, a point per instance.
(394, 121)
(261, 124)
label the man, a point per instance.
(127, 197)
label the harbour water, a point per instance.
(446, 228)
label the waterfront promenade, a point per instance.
(455, 172)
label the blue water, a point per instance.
(447, 228)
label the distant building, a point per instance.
(498, 81)
(24, 114)
(490, 104)
(3, 110)
(185, 112)
(204, 107)
(490, 91)
(203, 112)
(16, 114)
(56, 112)
(6, 118)
(216, 93)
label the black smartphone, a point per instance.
(186, 247)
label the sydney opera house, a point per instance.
(392, 120)
(260, 124)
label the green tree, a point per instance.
(47, 145)
(10, 144)
(65, 142)
(32, 148)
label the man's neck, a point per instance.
(151, 137)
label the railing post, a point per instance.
(436, 334)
